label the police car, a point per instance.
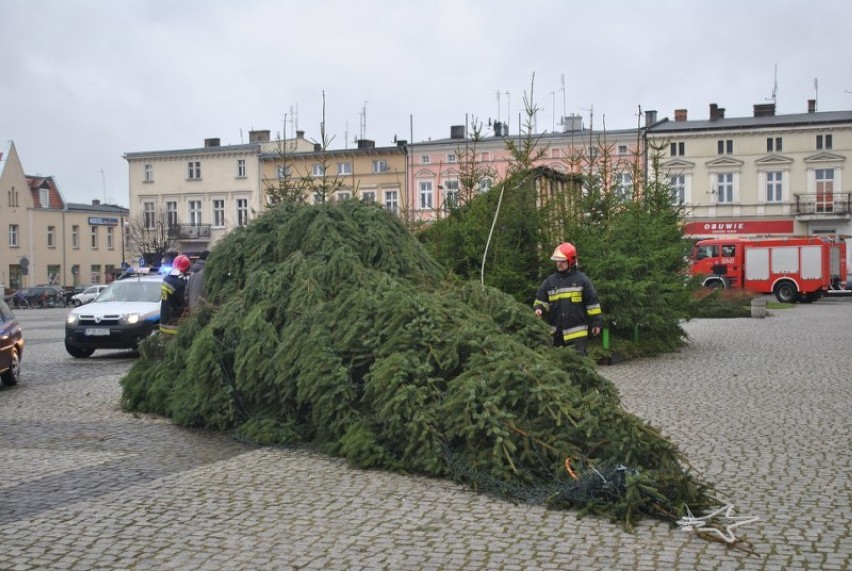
(120, 317)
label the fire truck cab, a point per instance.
(794, 269)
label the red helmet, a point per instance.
(565, 252)
(181, 264)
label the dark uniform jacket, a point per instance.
(570, 304)
(172, 303)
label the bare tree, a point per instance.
(151, 234)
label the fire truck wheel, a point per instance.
(786, 292)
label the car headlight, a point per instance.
(131, 318)
(72, 319)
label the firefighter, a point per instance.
(567, 300)
(173, 300)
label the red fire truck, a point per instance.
(794, 269)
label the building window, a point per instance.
(75, 236)
(678, 189)
(283, 172)
(51, 236)
(95, 273)
(318, 169)
(94, 236)
(369, 196)
(773, 186)
(44, 197)
(110, 238)
(624, 185)
(824, 190)
(343, 195)
(53, 271)
(725, 188)
(13, 197)
(242, 211)
(425, 159)
(484, 185)
(622, 149)
(149, 174)
(823, 141)
(13, 235)
(392, 201)
(380, 166)
(344, 168)
(241, 168)
(219, 213)
(773, 144)
(725, 147)
(171, 214)
(195, 212)
(451, 157)
(193, 170)
(678, 149)
(148, 217)
(425, 194)
(451, 194)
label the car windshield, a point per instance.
(148, 291)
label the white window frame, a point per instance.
(171, 213)
(51, 236)
(677, 183)
(342, 195)
(392, 201)
(380, 166)
(424, 196)
(241, 168)
(282, 171)
(148, 173)
(318, 169)
(93, 235)
(194, 208)
(451, 194)
(344, 168)
(774, 186)
(452, 158)
(44, 197)
(368, 196)
(193, 170)
(13, 235)
(75, 237)
(149, 215)
(242, 211)
(725, 187)
(219, 212)
(484, 185)
(425, 159)
(110, 238)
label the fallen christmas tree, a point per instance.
(331, 325)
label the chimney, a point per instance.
(366, 144)
(457, 132)
(96, 202)
(650, 118)
(401, 142)
(811, 105)
(680, 114)
(259, 136)
(300, 134)
(764, 110)
(214, 142)
(716, 112)
(498, 129)
(317, 147)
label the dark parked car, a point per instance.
(39, 296)
(11, 346)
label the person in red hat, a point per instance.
(173, 299)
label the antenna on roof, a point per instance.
(364, 120)
(774, 98)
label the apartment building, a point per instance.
(374, 174)
(764, 175)
(202, 193)
(439, 170)
(50, 241)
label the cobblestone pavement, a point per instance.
(759, 406)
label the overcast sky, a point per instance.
(85, 81)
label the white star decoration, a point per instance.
(703, 524)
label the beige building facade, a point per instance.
(49, 241)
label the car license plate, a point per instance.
(97, 331)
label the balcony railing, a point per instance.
(190, 232)
(829, 203)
